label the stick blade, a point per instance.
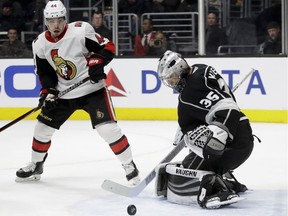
(120, 189)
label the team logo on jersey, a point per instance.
(64, 68)
(115, 87)
(99, 114)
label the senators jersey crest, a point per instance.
(66, 57)
(64, 68)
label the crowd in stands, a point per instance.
(17, 15)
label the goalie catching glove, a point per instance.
(208, 142)
(96, 68)
(48, 98)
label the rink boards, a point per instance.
(138, 94)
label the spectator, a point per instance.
(188, 6)
(37, 19)
(142, 41)
(14, 47)
(215, 36)
(160, 45)
(9, 19)
(154, 6)
(98, 24)
(171, 5)
(273, 43)
(131, 6)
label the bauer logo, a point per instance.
(115, 87)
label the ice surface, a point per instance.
(79, 160)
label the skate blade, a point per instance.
(28, 179)
(134, 181)
(217, 204)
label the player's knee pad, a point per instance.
(42, 132)
(110, 132)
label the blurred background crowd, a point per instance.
(149, 27)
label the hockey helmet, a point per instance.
(54, 9)
(172, 70)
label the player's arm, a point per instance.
(48, 79)
(103, 51)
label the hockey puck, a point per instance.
(131, 209)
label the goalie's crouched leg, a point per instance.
(179, 185)
(190, 187)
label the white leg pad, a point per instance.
(183, 184)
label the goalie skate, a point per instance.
(215, 202)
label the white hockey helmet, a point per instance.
(54, 9)
(172, 69)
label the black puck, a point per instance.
(131, 209)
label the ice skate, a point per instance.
(132, 173)
(31, 172)
(233, 184)
(221, 199)
(214, 193)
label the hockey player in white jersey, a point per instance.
(64, 55)
(217, 133)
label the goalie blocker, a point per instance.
(190, 187)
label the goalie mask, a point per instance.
(54, 9)
(172, 70)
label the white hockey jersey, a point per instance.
(61, 63)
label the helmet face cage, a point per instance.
(171, 69)
(54, 9)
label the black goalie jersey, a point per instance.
(207, 99)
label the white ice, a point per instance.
(79, 160)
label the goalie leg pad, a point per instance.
(183, 184)
(161, 180)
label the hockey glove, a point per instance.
(214, 148)
(48, 98)
(96, 68)
(207, 142)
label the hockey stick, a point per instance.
(30, 112)
(134, 191)
(243, 80)
(127, 191)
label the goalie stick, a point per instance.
(134, 191)
(30, 112)
(243, 80)
(127, 191)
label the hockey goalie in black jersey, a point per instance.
(217, 133)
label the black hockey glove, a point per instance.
(96, 68)
(48, 98)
